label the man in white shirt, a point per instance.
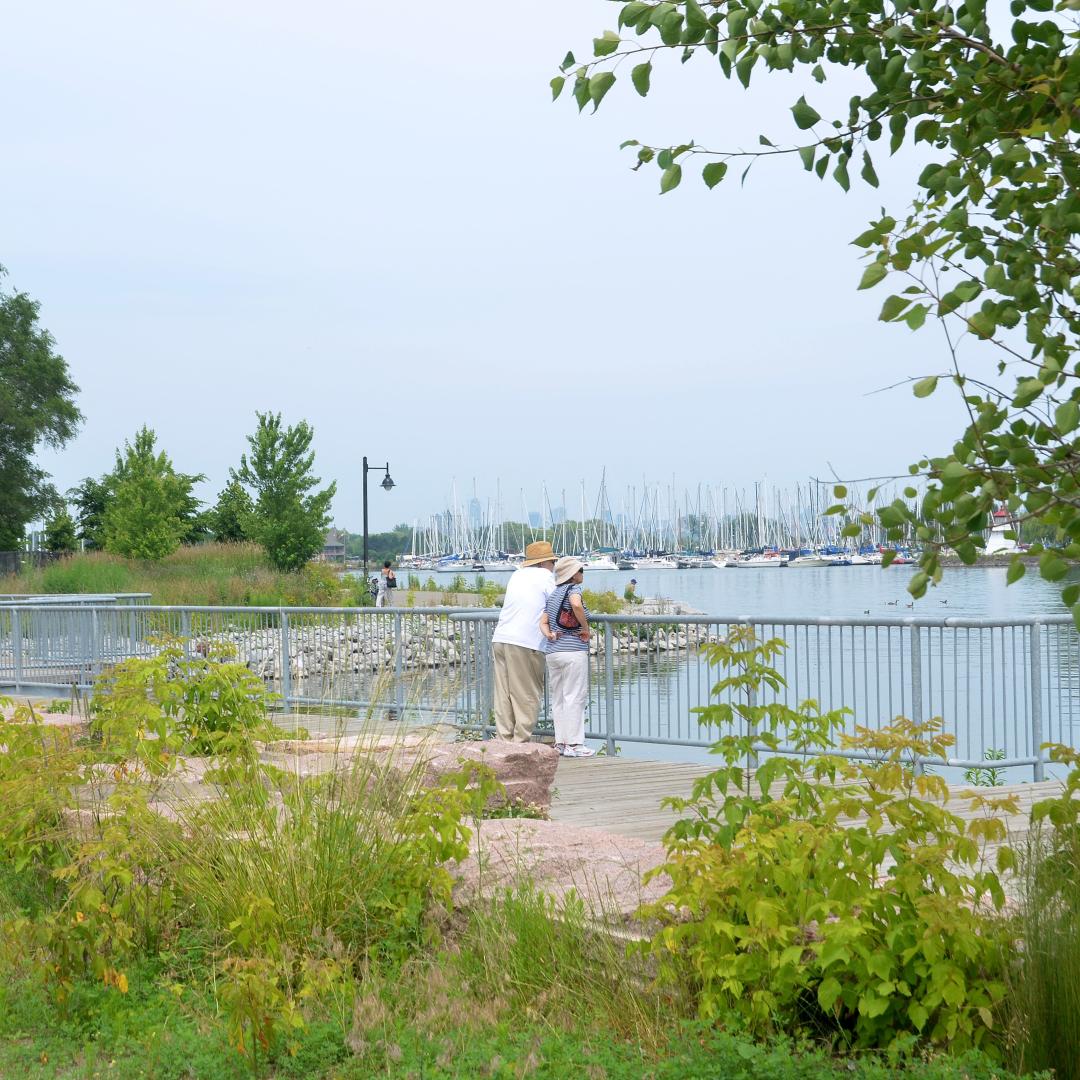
(518, 645)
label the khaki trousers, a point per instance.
(519, 685)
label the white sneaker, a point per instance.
(560, 749)
(579, 751)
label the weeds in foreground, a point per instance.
(833, 898)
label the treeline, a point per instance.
(144, 508)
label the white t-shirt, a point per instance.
(526, 597)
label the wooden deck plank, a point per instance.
(623, 795)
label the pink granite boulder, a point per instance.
(526, 770)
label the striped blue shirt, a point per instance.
(567, 640)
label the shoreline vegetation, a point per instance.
(242, 575)
(306, 924)
(211, 574)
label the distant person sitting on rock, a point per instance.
(517, 645)
(630, 593)
(565, 624)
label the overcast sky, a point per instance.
(374, 219)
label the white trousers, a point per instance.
(568, 692)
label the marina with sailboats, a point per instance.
(655, 527)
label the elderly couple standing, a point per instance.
(543, 618)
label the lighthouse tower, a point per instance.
(998, 543)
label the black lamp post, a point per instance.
(387, 484)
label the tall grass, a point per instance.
(226, 574)
(337, 854)
(1045, 992)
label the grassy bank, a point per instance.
(205, 574)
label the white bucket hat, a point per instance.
(566, 568)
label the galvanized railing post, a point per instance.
(609, 690)
(399, 686)
(185, 632)
(916, 675)
(751, 725)
(1039, 769)
(16, 634)
(96, 657)
(916, 684)
(286, 662)
(487, 688)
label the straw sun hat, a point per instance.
(539, 552)
(566, 568)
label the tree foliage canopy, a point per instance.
(290, 517)
(149, 505)
(37, 407)
(230, 518)
(987, 246)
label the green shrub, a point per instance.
(152, 708)
(822, 896)
(602, 603)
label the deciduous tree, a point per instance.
(230, 518)
(149, 505)
(290, 517)
(988, 246)
(60, 532)
(37, 407)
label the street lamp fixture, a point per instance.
(386, 485)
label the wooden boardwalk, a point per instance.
(622, 795)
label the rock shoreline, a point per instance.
(365, 646)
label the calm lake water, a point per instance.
(975, 592)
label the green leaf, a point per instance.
(840, 174)
(713, 173)
(925, 387)
(744, 67)
(557, 85)
(1052, 566)
(1016, 571)
(670, 178)
(828, 993)
(893, 308)
(606, 44)
(640, 77)
(872, 275)
(916, 316)
(955, 470)
(867, 172)
(1027, 390)
(568, 61)
(632, 13)
(983, 324)
(805, 116)
(1067, 416)
(807, 155)
(599, 85)
(696, 19)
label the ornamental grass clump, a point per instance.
(1044, 975)
(821, 896)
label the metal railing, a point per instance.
(1001, 685)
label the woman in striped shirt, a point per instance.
(567, 657)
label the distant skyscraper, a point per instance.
(476, 513)
(558, 515)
